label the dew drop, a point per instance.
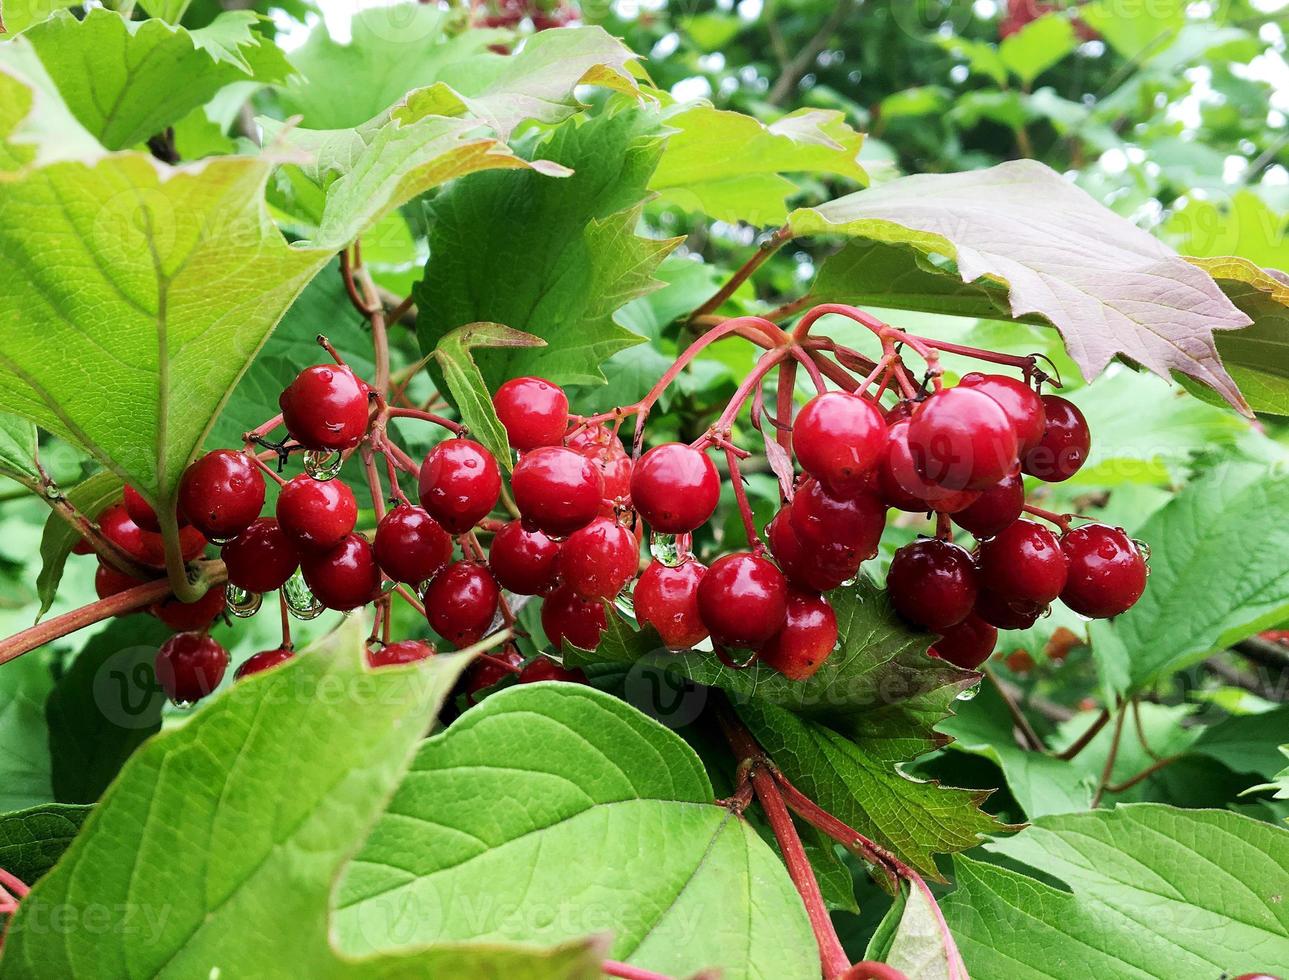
(300, 601)
(241, 603)
(625, 602)
(323, 464)
(1143, 549)
(182, 705)
(969, 694)
(665, 549)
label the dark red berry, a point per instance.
(185, 616)
(1024, 563)
(807, 637)
(221, 493)
(904, 488)
(325, 407)
(666, 598)
(190, 665)
(459, 484)
(108, 581)
(1107, 571)
(316, 514)
(461, 603)
(533, 411)
(995, 509)
(525, 562)
(146, 547)
(961, 439)
(410, 545)
(932, 583)
(675, 488)
(967, 644)
(261, 558)
(262, 661)
(403, 652)
(599, 559)
(557, 490)
(82, 546)
(546, 669)
(838, 438)
(345, 577)
(567, 617)
(487, 672)
(743, 600)
(141, 511)
(1006, 613)
(1022, 404)
(900, 411)
(598, 444)
(853, 524)
(821, 571)
(1065, 444)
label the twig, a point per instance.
(1146, 773)
(763, 252)
(1082, 741)
(798, 65)
(1029, 738)
(1111, 756)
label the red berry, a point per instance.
(967, 644)
(821, 571)
(262, 661)
(261, 558)
(838, 438)
(325, 407)
(146, 547)
(316, 514)
(82, 547)
(599, 559)
(525, 562)
(904, 488)
(461, 603)
(1024, 563)
(345, 577)
(190, 665)
(184, 616)
(853, 525)
(808, 636)
(962, 439)
(743, 600)
(221, 493)
(486, 673)
(995, 509)
(557, 490)
(534, 412)
(546, 669)
(403, 652)
(567, 617)
(1107, 572)
(1021, 403)
(141, 511)
(410, 545)
(459, 484)
(1007, 613)
(1065, 444)
(108, 581)
(606, 451)
(932, 583)
(666, 598)
(675, 488)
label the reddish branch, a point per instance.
(741, 275)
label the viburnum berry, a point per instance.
(1107, 571)
(488, 671)
(1007, 613)
(962, 439)
(598, 444)
(461, 603)
(186, 616)
(259, 662)
(1023, 563)
(599, 559)
(1065, 444)
(346, 576)
(932, 583)
(316, 515)
(525, 562)
(838, 438)
(666, 598)
(995, 509)
(533, 411)
(325, 407)
(967, 644)
(189, 666)
(141, 511)
(146, 547)
(557, 490)
(108, 581)
(743, 600)
(261, 558)
(821, 570)
(410, 545)
(221, 493)
(807, 637)
(904, 488)
(675, 488)
(459, 484)
(545, 669)
(402, 652)
(1020, 402)
(567, 617)
(853, 524)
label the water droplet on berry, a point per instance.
(323, 464)
(665, 549)
(625, 601)
(1143, 549)
(241, 603)
(851, 582)
(300, 601)
(182, 705)
(969, 694)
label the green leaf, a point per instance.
(171, 11)
(18, 449)
(89, 497)
(617, 831)
(981, 57)
(1038, 46)
(32, 840)
(1247, 743)
(1150, 892)
(911, 939)
(24, 737)
(35, 124)
(730, 166)
(1108, 286)
(1279, 783)
(18, 15)
(1137, 32)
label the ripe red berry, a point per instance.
(599, 559)
(1023, 563)
(533, 411)
(410, 545)
(838, 438)
(146, 547)
(821, 571)
(807, 637)
(487, 672)
(1107, 572)
(262, 661)
(743, 600)
(525, 562)
(1021, 403)
(932, 583)
(904, 488)
(325, 407)
(345, 577)
(557, 490)
(1065, 444)
(190, 665)
(852, 524)
(675, 488)
(598, 444)
(961, 439)
(967, 644)
(459, 484)
(185, 616)
(461, 603)
(316, 514)
(666, 598)
(108, 581)
(546, 669)
(567, 617)
(995, 509)
(1007, 613)
(141, 511)
(221, 493)
(261, 558)
(403, 652)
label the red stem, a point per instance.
(13, 884)
(740, 495)
(741, 275)
(416, 413)
(628, 972)
(1060, 520)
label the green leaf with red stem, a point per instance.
(89, 497)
